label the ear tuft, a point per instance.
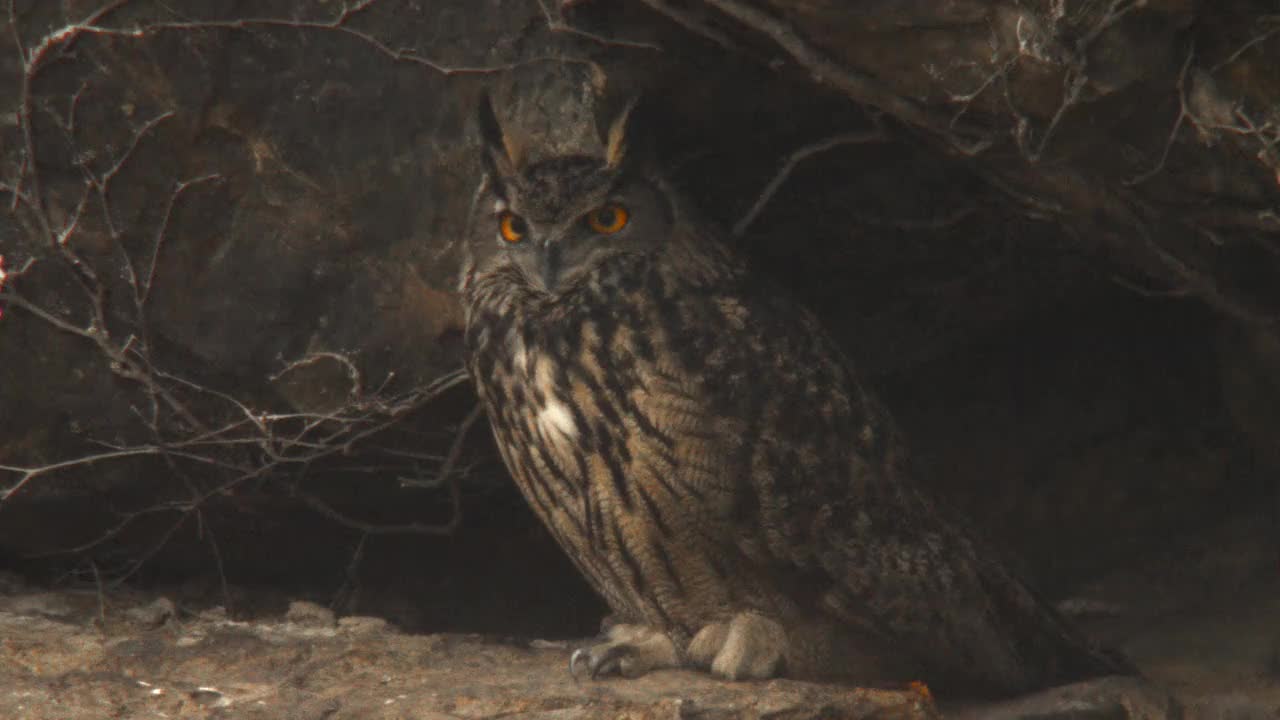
(626, 137)
(501, 154)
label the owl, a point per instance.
(705, 454)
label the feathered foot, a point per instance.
(750, 646)
(628, 650)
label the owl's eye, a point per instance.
(511, 226)
(607, 219)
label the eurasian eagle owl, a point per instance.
(705, 454)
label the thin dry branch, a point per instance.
(1183, 114)
(858, 86)
(143, 293)
(57, 40)
(446, 476)
(1252, 43)
(102, 183)
(353, 372)
(211, 441)
(965, 100)
(121, 358)
(1074, 82)
(32, 62)
(690, 22)
(794, 159)
(57, 43)
(556, 23)
(1206, 288)
(27, 474)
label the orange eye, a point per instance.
(607, 219)
(511, 226)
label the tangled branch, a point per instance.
(210, 442)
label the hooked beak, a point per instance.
(551, 265)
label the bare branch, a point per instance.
(1074, 82)
(143, 293)
(1137, 289)
(211, 442)
(857, 85)
(556, 23)
(446, 476)
(27, 474)
(353, 373)
(1204, 286)
(12, 296)
(1183, 114)
(1252, 43)
(58, 39)
(794, 159)
(32, 62)
(369, 528)
(687, 20)
(103, 183)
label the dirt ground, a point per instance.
(1202, 620)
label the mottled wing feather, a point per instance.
(817, 488)
(700, 446)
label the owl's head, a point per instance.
(560, 217)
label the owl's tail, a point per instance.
(1044, 648)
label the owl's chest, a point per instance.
(559, 391)
(538, 407)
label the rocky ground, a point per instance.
(1202, 619)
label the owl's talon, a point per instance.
(573, 661)
(600, 660)
(628, 650)
(597, 664)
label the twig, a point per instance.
(102, 596)
(795, 159)
(1148, 292)
(1183, 114)
(400, 55)
(1254, 42)
(211, 441)
(353, 372)
(216, 552)
(687, 20)
(32, 62)
(347, 594)
(30, 473)
(556, 23)
(1000, 74)
(1074, 81)
(143, 293)
(1204, 286)
(103, 183)
(445, 475)
(858, 86)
